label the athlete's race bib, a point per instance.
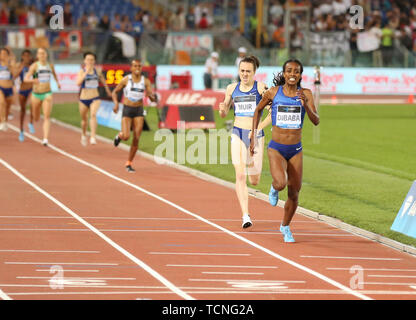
(289, 117)
(44, 75)
(245, 106)
(135, 94)
(5, 74)
(91, 83)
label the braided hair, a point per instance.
(279, 79)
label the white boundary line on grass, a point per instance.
(137, 261)
(346, 289)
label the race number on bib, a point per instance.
(289, 117)
(245, 105)
(135, 94)
(91, 83)
(44, 75)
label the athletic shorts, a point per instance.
(25, 93)
(87, 102)
(7, 91)
(244, 135)
(132, 112)
(288, 151)
(42, 96)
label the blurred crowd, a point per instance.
(388, 19)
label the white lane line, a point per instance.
(76, 278)
(226, 273)
(233, 234)
(66, 270)
(389, 276)
(218, 266)
(390, 283)
(201, 254)
(4, 296)
(140, 263)
(49, 251)
(352, 258)
(216, 292)
(375, 269)
(247, 280)
(63, 263)
(413, 287)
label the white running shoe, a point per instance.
(84, 140)
(45, 142)
(93, 140)
(246, 221)
(3, 126)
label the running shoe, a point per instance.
(84, 140)
(45, 142)
(287, 234)
(117, 140)
(273, 196)
(31, 128)
(246, 221)
(93, 140)
(129, 168)
(2, 126)
(21, 136)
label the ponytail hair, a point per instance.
(279, 79)
(253, 60)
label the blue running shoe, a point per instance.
(21, 136)
(288, 237)
(31, 128)
(273, 196)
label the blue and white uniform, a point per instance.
(245, 104)
(287, 113)
(90, 82)
(5, 74)
(21, 77)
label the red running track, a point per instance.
(75, 225)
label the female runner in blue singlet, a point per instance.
(290, 102)
(24, 91)
(7, 73)
(89, 100)
(245, 95)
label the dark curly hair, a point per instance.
(279, 79)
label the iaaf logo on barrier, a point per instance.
(191, 97)
(405, 221)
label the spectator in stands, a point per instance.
(137, 26)
(278, 36)
(104, 23)
(242, 51)
(321, 24)
(177, 20)
(47, 15)
(387, 48)
(4, 14)
(203, 22)
(31, 17)
(265, 41)
(190, 19)
(126, 25)
(68, 21)
(83, 21)
(92, 20)
(296, 40)
(116, 23)
(330, 23)
(211, 69)
(160, 21)
(22, 16)
(12, 12)
(339, 7)
(276, 10)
